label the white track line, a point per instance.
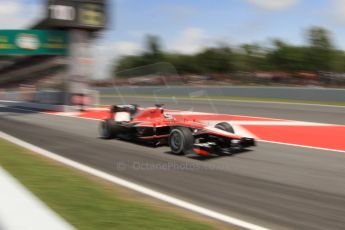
(280, 123)
(303, 146)
(66, 114)
(277, 119)
(20, 209)
(270, 123)
(131, 185)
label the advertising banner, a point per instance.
(33, 42)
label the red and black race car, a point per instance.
(183, 135)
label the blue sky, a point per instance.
(231, 21)
(189, 25)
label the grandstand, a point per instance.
(66, 71)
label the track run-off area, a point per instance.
(293, 179)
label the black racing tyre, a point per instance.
(225, 126)
(181, 140)
(108, 129)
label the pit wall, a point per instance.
(44, 100)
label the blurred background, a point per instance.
(247, 42)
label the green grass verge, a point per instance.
(83, 201)
(249, 99)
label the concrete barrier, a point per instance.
(44, 100)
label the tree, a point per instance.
(153, 50)
(319, 37)
(184, 64)
(318, 54)
(126, 63)
(252, 57)
(321, 49)
(285, 57)
(215, 60)
(152, 55)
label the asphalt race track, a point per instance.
(275, 186)
(300, 112)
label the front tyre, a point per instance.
(181, 140)
(108, 129)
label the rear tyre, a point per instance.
(108, 129)
(181, 140)
(225, 126)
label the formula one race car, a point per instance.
(182, 134)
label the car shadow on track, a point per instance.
(210, 157)
(190, 156)
(136, 142)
